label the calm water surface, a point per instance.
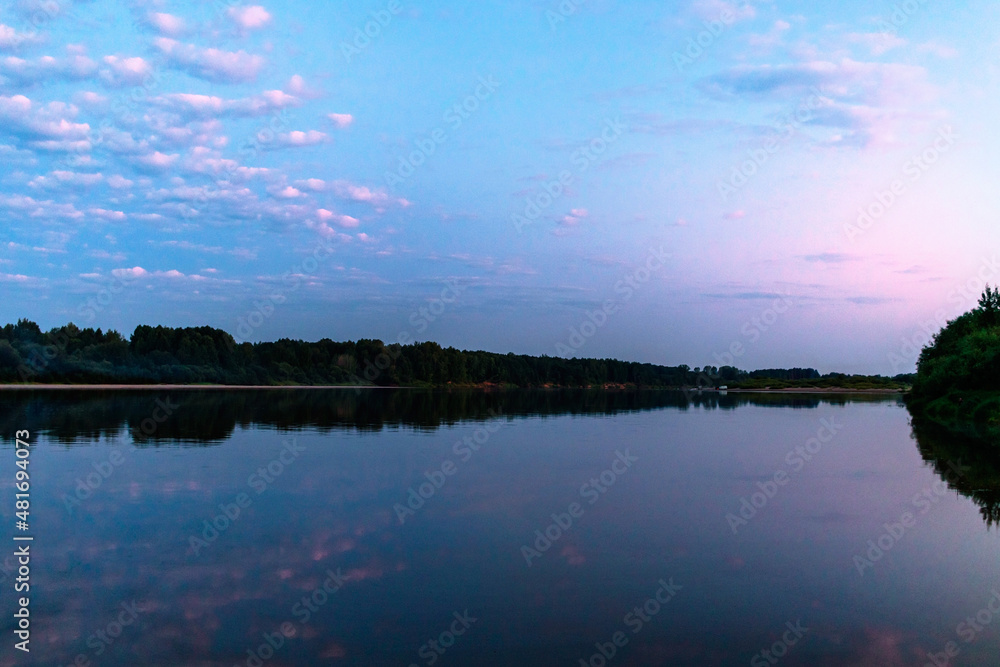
(745, 515)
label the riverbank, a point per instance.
(817, 390)
(485, 387)
(172, 387)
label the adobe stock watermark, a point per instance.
(962, 297)
(909, 351)
(265, 307)
(265, 136)
(894, 532)
(967, 294)
(249, 149)
(123, 110)
(437, 647)
(779, 649)
(420, 319)
(967, 631)
(88, 485)
(455, 116)
(592, 491)
(564, 10)
(785, 128)
(700, 43)
(582, 158)
(364, 37)
(464, 449)
(753, 329)
(102, 639)
(47, 11)
(625, 288)
(900, 16)
(39, 361)
(259, 481)
(303, 611)
(796, 460)
(635, 621)
(913, 170)
(89, 309)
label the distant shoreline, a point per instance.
(172, 387)
(816, 390)
(231, 387)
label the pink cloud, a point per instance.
(252, 17)
(90, 98)
(712, 10)
(11, 38)
(105, 214)
(288, 193)
(360, 193)
(345, 221)
(49, 125)
(574, 217)
(59, 178)
(210, 105)
(212, 64)
(157, 160)
(72, 67)
(314, 184)
(341, 120)
(167, 24)
(128, 71)
(877, 43)
(134, 272)
(119, 182)
(298, 138)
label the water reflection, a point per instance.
(211, 416)
(967, 460)
(331, 510)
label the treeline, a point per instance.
(958, 372)
(203, 355)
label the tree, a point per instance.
(989, 306)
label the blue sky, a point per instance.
(664, 182)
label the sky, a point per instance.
(766, 184)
